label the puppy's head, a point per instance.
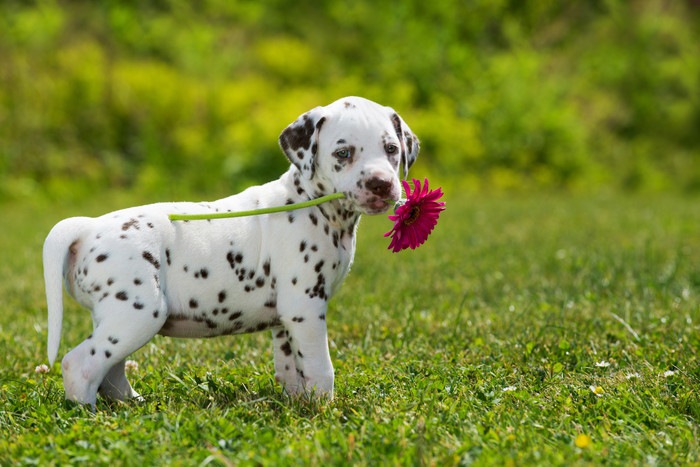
(354, 146)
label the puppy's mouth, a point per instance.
(377, 205)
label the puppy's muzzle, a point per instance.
(379, 187)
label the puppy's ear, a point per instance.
(299, 141)
(409, 142)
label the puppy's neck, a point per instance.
(338, 214)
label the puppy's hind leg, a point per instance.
(98, 362)
(115, 386)
(82, 373)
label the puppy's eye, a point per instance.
(343, 153)
(391, 148)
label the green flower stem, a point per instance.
(256, 212)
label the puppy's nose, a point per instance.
(379, 187)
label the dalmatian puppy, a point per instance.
(141, 274)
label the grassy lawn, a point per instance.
(537, 330)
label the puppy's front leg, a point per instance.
(307, 340)
(285, 363)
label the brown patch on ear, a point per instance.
(410, 139)
(396, 120)
(299, 141)
(300, 135)
(409, 143)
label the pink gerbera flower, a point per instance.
(416, 217)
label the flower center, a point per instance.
(415, 214)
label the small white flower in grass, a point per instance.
(632, 376)
(509, 389)
(669, 373)
(597, 390)
(42, 369)
(602, 364)
(131, 366)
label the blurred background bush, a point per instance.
(176, 96)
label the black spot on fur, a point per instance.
(131, 223)
(286, 348)
(101, 258)
(137, 281)
(266, 267)
(108, 353)
(138, 306)
(302, 246)
(122, 296)
(151, 259)
(322, 317)
(222, 296)
(112, 340)
(298, 319)
(167, 256)
(260, 282)
(193, 303)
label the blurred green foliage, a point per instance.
(504, 94)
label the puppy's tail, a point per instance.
(61, 242)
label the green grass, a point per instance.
(480, 347)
